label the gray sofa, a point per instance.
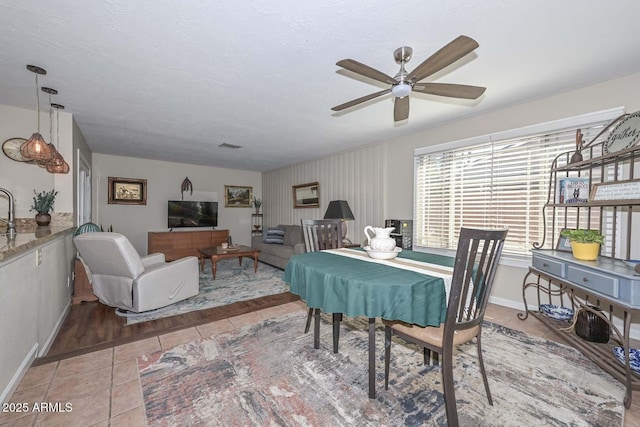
(278, 254)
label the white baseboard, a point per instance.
(52, 336)
(507, 303)
(19, 374)
(31, 356)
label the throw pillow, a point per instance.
(293, 235)
(274, 235)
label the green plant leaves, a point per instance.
(583, 236)
(43, 201)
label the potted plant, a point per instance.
(585, 244)
(43, 204)
(256, 204)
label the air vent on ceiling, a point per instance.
(225, 145)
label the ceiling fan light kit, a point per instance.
(404, 83)
(401, 90)
(402, 55)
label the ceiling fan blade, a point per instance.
(445, 56)
(401, 109)
(451, 90)
(360, 100)
(365, 70)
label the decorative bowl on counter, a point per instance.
(634, 357)
(557, 312)
(382, 255)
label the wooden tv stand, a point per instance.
(179, 244)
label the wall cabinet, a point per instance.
(179, 244)
(608, 283)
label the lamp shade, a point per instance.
(57, 164)
(35, 148)
(338, 209)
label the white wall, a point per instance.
(355, 176)
(22, 178)
(79, 145)
(163, 184)
(396, 162)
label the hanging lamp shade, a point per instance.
(36, 148)
(58, 164)
(54, 153)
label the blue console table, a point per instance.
(557, 278)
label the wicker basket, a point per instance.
(591, 327)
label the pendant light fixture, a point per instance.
(58, 164)
(52, 147)
(36, 148)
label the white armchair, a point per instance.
(121, 278)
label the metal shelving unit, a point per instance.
(555, 277)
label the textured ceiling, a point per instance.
(172, 80)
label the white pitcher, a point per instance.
(381, 239)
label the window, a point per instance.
(494, 181)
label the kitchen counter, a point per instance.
(27, 241)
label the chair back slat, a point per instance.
(474, 270)
(320, 234)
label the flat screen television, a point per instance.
(192, 214)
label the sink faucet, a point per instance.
(11, 224)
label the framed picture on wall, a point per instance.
(306, 195)
(127, 191)
(236, 196)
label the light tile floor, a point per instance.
(103, 387)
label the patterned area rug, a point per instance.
(233, 283)
(269, 374)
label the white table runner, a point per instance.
(422, 267)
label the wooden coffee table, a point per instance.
(216, 253)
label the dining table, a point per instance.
(413, 288)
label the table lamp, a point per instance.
(339, 209)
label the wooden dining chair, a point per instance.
(475, 267)
(320, 234)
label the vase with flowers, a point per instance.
(43, 204)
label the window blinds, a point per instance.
(495, 184)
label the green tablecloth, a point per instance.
(339, 284)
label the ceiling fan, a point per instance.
(404, 82)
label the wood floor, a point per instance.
(92, 326)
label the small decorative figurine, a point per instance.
(186, 186)
(577, 156)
